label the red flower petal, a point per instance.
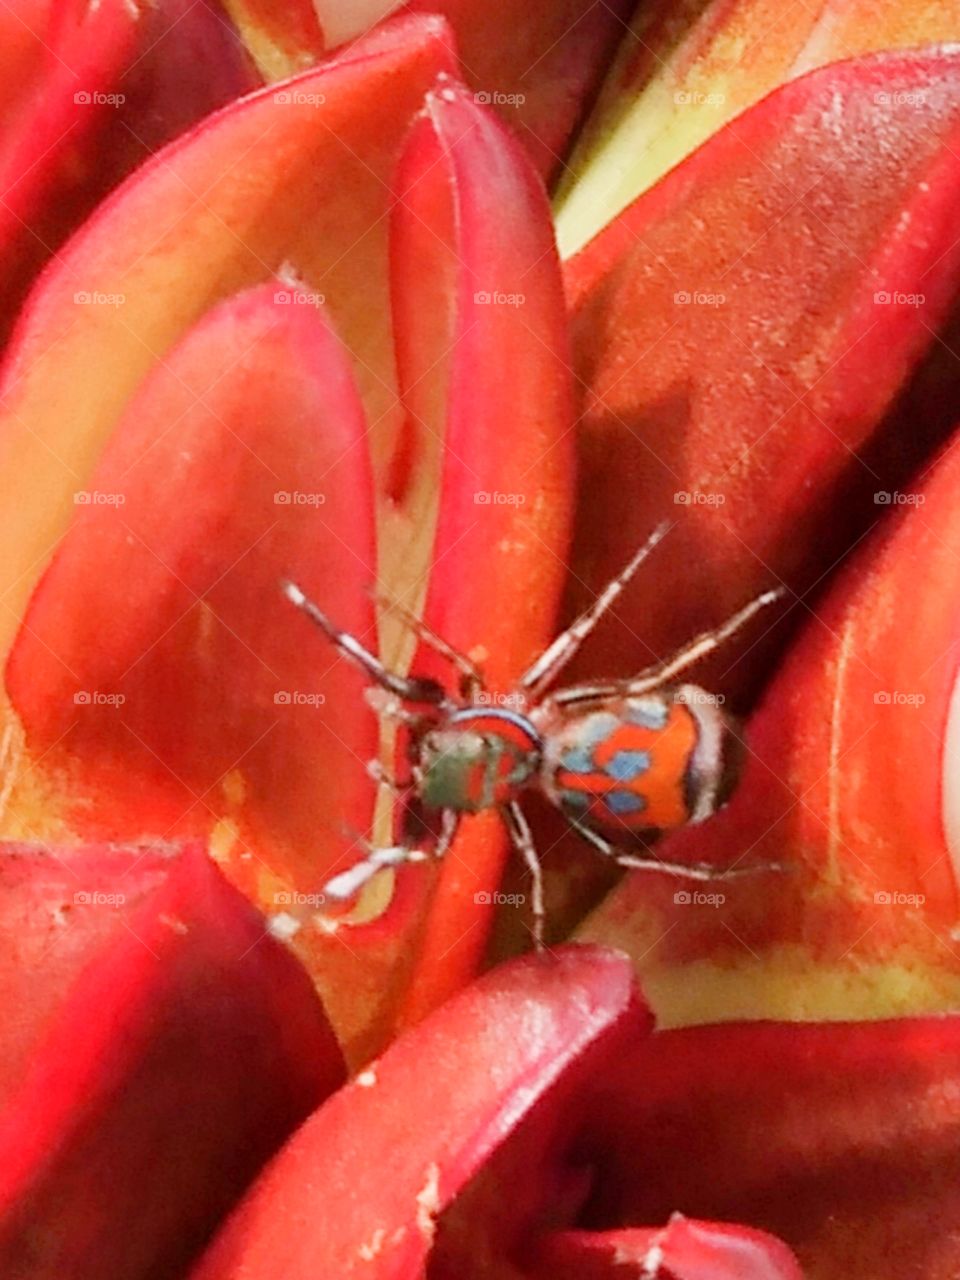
(57, 907)
(110, 84)
(159, 669)
(288, 175)
(23, 26)
(850, 784)
(743, 328)
(682, 1250)
(385, 1160)
(186, 1053)
(685, 70)
(486, 388)
(840, 1138)
(537, 62)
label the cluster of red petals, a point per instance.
(171, 1056)
(299, 343)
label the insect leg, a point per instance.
(379, 774)
(554, 658)
(471, 678)
(687, 870)
(410, 689)
(664, 672)
(523, 839)
(347, 883)
(703, 644)
(449, 821)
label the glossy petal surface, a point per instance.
(494, 1051)
(483, 363)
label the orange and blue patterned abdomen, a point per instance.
(623, 766)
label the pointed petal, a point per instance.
(497, 448)
(207, 698)
(296, 175)
(537, 63)
(538, 1027)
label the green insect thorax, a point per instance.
(475, 762)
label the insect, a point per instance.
(624, 760)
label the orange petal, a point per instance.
(490, 301)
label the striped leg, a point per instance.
(664, 672)
(553, 659)
(409, 689)
(522, 837)
(687, 870)
(471, 677)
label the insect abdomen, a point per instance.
(623, 766)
